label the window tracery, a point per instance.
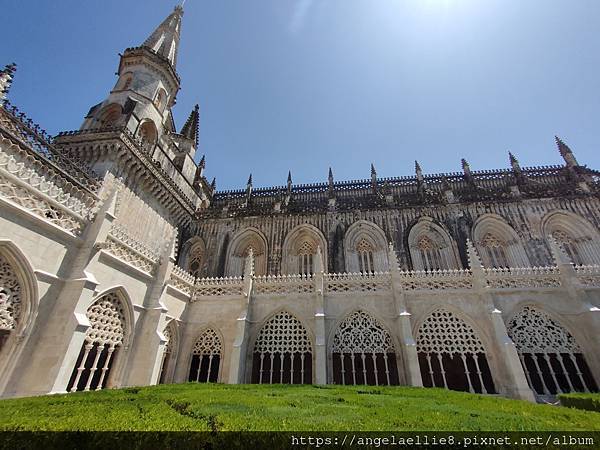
(282, 352)
(102, 340)
(365, 257)
(363, 352)
(196, 260)
(494, 251)
(10, 299)
(551, 358)
(431, 256)
(569, 245)
(305, 254)
(451, 355)
(206, 357)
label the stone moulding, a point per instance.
(120, 245)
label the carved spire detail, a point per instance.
(191, 129)
(164, 40)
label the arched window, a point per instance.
(206, 358)
(494, 251)
(103, 340)
(431, 247)
(578, 237)
(196, 258)
(10, 300)
(147, 132)
(304, 254)
(569, 246)
(365, 248)
(282, 352)
(249, 238)
(363, 352)
(110, 115)
(365, 257)
(160, 100)
(451, 355)
(553, 362)
(300, 247)
(170, 350)
(498, 243)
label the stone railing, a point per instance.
(436, 280)
(19, 128)
(338, 283)
(283, 284)
(345, 283)
(44, 190)
(129, 250)
(182, 280)
(523, 277)
(218, 287)
(588, 276)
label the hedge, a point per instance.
(589, 402)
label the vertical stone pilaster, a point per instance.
(237, 365)
(320, 339)
(515, 383)
(410, 358)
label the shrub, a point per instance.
(589, 402)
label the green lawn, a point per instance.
(285, 408)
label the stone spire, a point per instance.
(289, 182)
(213, 184)
(6, 76)
(330, 183)
(474, 261)
(418, 171)
(202, 163)
(164, 40)
(373, 178)
(514, 162)
(465, 167)
(191, 128)
(566, 152)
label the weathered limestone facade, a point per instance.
(121, 265)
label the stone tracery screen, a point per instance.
(365, 252)
(102, 341)
(451, 355)
(363, 353)
(282, 352)
(553, 362)
(10, 300)
(206, 358)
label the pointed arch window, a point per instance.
(365, 257)
(363, 352)
(306, 250)
(103, 339)
(451, 355)
(160, 100)
(431, 255)
(170, 334)
(569, 245)
(494, 251)
(206, 358)
(551, 358)
(196, 260)
(10, 300)
(147, 132)
(282, 352)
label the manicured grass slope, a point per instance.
(279, 407)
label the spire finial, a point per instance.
(330, 175)
(566, 152)
(202, 163)
(373, 171)
(164, 40)
(466, 167)
(474, 261)
(514, 162)
(191, 128)
(6, 77)
(249, 183)
(213, 184)
(289, 178)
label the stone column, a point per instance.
(144, 359)
(320, 340)
(410, 359)
(237, 365)
(516, 385)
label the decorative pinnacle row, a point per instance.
(566, 152)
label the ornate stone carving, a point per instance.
(283, 333)
(10, 296)
(361, 333)
(443, 332)
(209, 343)
(107, 318)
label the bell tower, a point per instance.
(146, 87)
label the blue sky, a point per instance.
(308, 84)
